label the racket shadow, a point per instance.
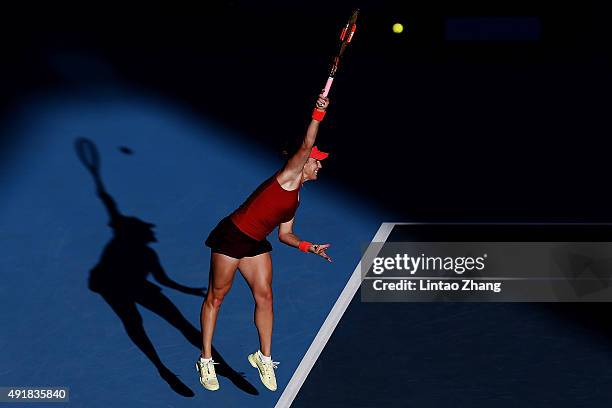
(120, 278)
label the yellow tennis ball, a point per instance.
(398, 28)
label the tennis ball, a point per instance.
(397, 28)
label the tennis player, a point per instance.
(239, 242)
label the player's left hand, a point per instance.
(319, 249)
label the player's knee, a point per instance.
(263, 297)
(215, 297)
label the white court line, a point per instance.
(325, 332)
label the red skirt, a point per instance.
(228, 239)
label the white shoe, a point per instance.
(208, 377)
(266, 370)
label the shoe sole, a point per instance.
(254, 364)
(203, 385)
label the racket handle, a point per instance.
(328, 85)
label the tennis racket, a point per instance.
(346, 35)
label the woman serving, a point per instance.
(239, 242)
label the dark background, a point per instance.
(428, 128)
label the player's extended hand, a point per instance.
(322, 102)
(319, 249)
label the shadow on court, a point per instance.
(120, 277)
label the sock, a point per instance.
(267, 359)
(205, 360)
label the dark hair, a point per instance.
(290, 146)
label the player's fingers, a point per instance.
(324, 255)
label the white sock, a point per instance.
(267, 359)
(205, 360)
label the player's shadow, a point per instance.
(120, 277)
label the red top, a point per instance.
(267, 207)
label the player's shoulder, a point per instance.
(288, 178)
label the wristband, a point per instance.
(304, 245)
(318, 115)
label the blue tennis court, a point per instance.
(165, 166)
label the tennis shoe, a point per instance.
(208, 377)
(266, 370)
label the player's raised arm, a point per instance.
(296, 163)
